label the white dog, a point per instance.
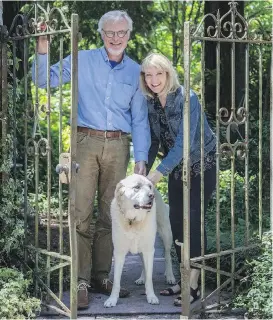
(138, 211)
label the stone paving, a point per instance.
(135, 306)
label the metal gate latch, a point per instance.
(62, 167)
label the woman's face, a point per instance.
(155, 79)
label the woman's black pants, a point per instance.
(175, 188)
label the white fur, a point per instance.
(134, 230)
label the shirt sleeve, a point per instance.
(54, 71)
(140, 127)
(175, 155)
(153, 150)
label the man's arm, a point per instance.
(175, 155)
(140, 127)
(54, 70)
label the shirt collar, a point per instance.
(106, 58)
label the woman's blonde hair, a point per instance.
(160, 62)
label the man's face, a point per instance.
(115, 35)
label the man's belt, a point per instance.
(101, 133)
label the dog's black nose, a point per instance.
(151, 196)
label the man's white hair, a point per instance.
(114, 16)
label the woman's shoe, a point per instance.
(176, 289)
(195, 295)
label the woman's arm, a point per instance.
(175, 155)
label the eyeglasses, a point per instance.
(111, 34)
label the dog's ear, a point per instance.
(119, 191)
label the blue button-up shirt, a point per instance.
(109, 98)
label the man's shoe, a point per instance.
(105, 287)
(82, 295)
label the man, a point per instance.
(110, 107)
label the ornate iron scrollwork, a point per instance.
(231, 25)
(45, 20)
(36, 148)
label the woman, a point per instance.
(159, 83)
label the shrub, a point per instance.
(255, 290)
(15, 301)
(11, 216)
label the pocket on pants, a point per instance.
(81, 137)
(126, 141)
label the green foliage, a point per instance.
(11, 219)
(14, 288)
(14, 297)
(239, 209)
(11, 223)
(255, 290)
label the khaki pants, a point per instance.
(103, 163)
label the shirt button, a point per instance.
(107, 97)
(109, 82)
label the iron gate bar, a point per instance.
(250, 41)
(207, 268)
(224, 284)
(232, 158)
(53, 295)
(185, 265)
(202, 174)
(61, 247)
(225, 252)
(58, 310)
(49, 143)
(50, 253)
(260, 136)
(247, 140)
(13, 116)
(271, 134)
(54, 308)
(31, 36)
(218, 245)
(58, 266)
(73, 165)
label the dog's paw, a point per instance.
(140, 281)
(152, 299)
(170, 279)
(110, 302)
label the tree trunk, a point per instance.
(10, 10)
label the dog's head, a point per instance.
(135, 197)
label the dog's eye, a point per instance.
(137, 187)
(150, 187)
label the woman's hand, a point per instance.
(154, 176)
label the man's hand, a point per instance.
(42, 40)
(140, 168)
(154, 176)
(42, 45)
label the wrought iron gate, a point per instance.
(42, 113)
(35, 139)
(234, 29)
